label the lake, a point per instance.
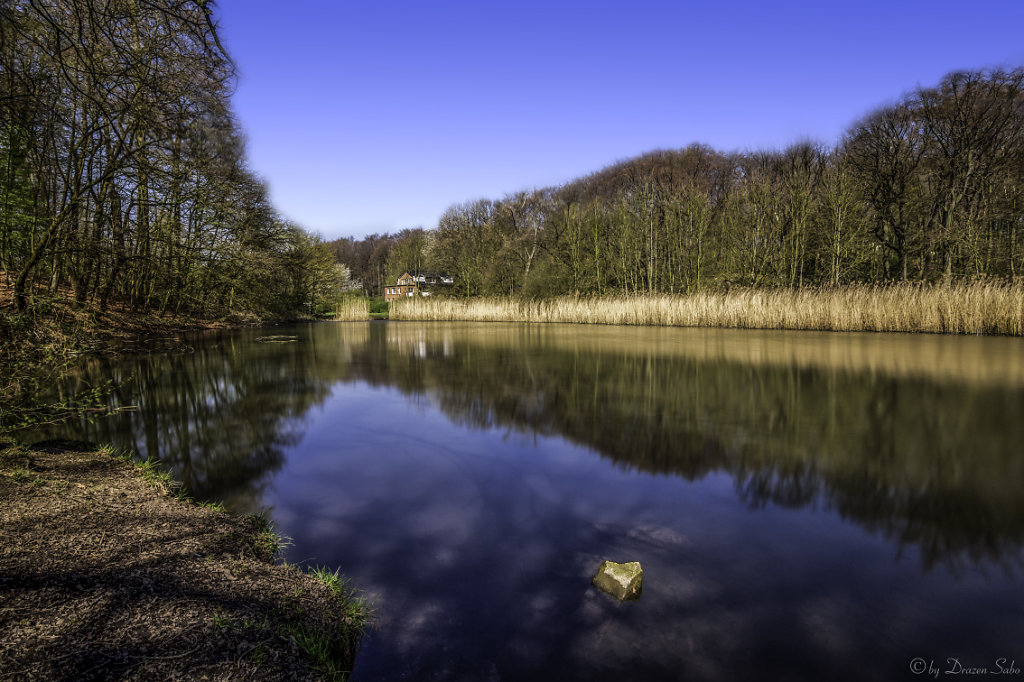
(805, 505)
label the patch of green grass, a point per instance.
(24, 475)
(152, 471)
(330, 647)
(334, 580)
(215, 506)
(224, 622)
(265, 541)
(21, 475)
(317, 645)
(329, 653)
(357, 612)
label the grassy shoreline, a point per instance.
(979, 308)
(109, 572)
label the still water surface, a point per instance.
(806, 506)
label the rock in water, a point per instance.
(622, 581)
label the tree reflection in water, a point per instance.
(915, 437)
(926, 452)
(220, 414)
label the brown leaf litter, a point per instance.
(105, 575)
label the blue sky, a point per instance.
(376, 115)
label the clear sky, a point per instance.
(375, 115)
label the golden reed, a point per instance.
(352, 308)
(980, 308)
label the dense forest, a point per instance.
(122, 170)
(123, 180)
(928, 189)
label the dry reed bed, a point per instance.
(981, 308)
(351, 309)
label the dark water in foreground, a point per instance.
(806, 506)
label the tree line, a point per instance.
(123, 174)
(928, 189)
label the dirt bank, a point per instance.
(105, 574)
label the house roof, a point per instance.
(426, 273)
